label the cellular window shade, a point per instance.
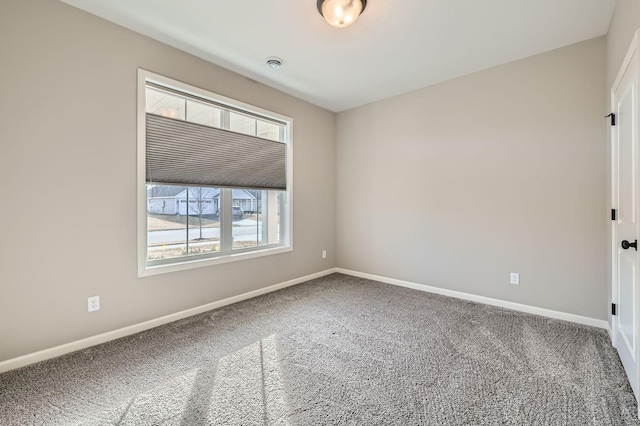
(183, 153)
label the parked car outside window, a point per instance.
(237, 213)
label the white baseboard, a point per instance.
(45, 354)
(481, 299)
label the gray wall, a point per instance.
(625, 21)
(454, 185)
(459, 184)
(68, 180)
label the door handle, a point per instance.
(626, 244)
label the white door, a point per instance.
(624, 99)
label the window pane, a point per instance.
(269, 130)
(241, 123)
(200, 113)
(203, 220)
(164, 104)
(166, 232)
(281, 208)
(243, 210)
(259, 226)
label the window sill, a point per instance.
(181, 265)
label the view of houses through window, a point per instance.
(185, 221)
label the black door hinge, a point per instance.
(613, 214)
(613, 118)
(613, 309)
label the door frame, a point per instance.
(629, 61)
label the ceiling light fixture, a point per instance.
(341, 13)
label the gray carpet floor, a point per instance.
(337, 350)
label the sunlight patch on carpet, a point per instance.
(248, 387)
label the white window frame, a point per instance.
(184, 263)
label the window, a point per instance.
(214, 178)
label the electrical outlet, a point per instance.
(93, 303)
(324, 254)
(515, 278)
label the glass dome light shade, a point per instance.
(341, 13)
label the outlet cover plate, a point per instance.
(515, 278)
(93, 303)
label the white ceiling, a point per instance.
(396, 46)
